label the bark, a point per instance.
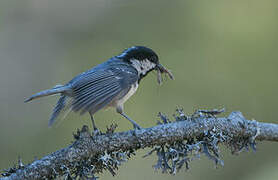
(62, 162)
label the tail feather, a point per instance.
(57, 89)
(61, 104)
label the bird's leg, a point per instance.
(93, 122)
(120, 111)
(135, 125)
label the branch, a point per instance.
(173, 142)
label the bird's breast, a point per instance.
(131, 91)
(119, 101)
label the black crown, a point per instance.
(139, 53)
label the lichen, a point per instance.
(171, 157)
(88, 168)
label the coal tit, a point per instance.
(109, 84)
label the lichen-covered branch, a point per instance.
(175, 143)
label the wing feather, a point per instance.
(88, 82)
(95, 89)
(101, 101)
(81, 103)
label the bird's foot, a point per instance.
(136, 126)
(96, 132)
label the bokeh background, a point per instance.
(222, 53)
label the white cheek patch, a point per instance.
(142, 66)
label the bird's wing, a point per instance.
(96, 89)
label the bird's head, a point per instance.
(144, 60)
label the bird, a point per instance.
(109, 84)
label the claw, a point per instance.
(96, 132)
(136, 126)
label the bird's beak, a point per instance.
(161, 69)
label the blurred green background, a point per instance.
(222, 53)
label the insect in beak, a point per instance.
(161, 69)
